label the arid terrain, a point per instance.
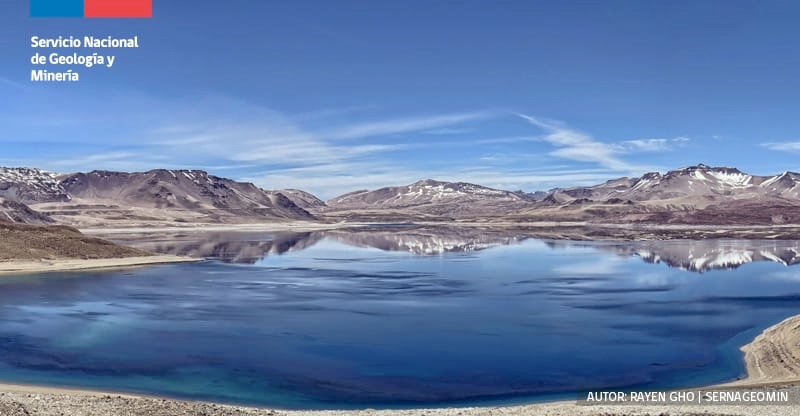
(694, 195)
(28, 248)
(699, 196)
(32, 242)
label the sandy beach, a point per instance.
(771, 359)
(774, 355)
(21, 400)
(42, 266)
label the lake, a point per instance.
(399, 317)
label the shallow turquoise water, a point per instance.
(335, 325)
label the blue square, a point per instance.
(56, 8)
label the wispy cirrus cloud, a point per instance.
(330, 151)
(448, 131)
(782, 146)
(574, 145)
(339, 159)
(273, 140)
(404, 125)
(10, 83)
(115, 160)
(652, 145)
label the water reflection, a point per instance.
(353, 318)
(243, 248)
(249, 248)
(703, 255)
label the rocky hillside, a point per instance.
(426, 200)
(695, 185)
(30, 186)
(191, 190)
(303, 199)
(18, 212)
(692, 195)
(425, 192)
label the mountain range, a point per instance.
(692, 195)
(426, 200)
(105, 197)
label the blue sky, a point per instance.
(332, 96)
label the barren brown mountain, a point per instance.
(181, 189)
(688, 196)
(18, 212)
(302, 199)
(692, 195)
(101, 199)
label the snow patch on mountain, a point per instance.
(30, 185)
(425, 192)
(731, 179)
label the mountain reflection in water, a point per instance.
(249, 248)
(397, 316)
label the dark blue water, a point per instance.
(337, 326)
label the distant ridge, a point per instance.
(182, 189)
(691, 195)
(698, 194)
(699, 181)
(427, 191)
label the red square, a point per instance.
(118, 8)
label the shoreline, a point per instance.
(772, 360)
(773, 356)
(23, 267)
(578, 231)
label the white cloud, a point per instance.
(314, 152)
(119, 160)
(289, 156)
(244, 133)
(10, 83)
(502, 140)
(652, 145)
(448, 131)
(579, 146)
(403, 125)
(783, 146)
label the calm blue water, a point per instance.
(338, 326)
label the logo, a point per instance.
(92, 8)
